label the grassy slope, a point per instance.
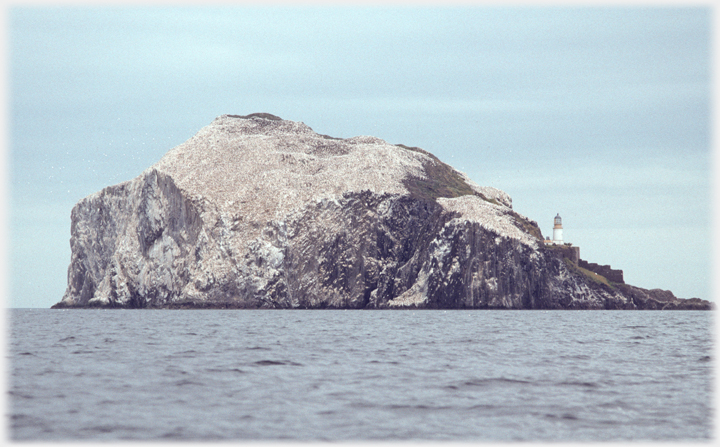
(444, 181)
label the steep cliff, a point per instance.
(257, 211)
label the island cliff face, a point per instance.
(260, 212)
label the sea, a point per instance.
(360, 375)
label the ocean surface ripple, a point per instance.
(334, 375)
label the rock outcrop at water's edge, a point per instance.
(260, 212)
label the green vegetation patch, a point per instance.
(442, 180)
(599, 279)
(529, 227)
(556, 247)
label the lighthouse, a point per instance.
(557, 230)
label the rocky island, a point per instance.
(259, 212)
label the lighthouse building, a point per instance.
(557, 230)
(564, 249)
(557, 234)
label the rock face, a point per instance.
(257, 211)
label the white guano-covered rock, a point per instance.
(257, 211)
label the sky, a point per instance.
(601, 114)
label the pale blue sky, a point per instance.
(600, 114)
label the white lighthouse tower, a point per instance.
(557, 230)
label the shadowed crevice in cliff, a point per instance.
(364, 258)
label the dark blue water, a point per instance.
(360, 375)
